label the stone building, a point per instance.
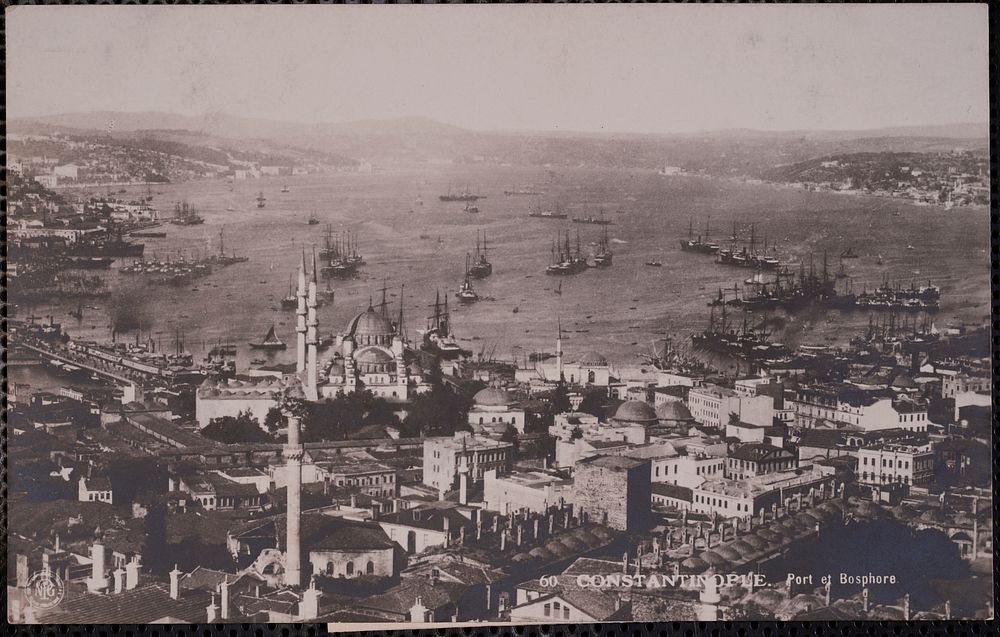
(613, 491)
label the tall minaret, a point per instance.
(559, 359)
(293, 452)
(300, 319)
(312, 338)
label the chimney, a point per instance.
(552, 523)
(224, 599)
(175, 579)
(132, 574)
(212, 611)
(97, 581)
(418, 612)
(503, 541)
(22, 570)
(520, 534)
(119, 577)
(395, 505)
(535, 529)
(447, 530)
(309, 606)
(463, 488)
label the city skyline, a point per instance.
(685, 71)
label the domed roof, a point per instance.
(756, 542)
(635, 411)
(370, 323)
(492, 397)
(673, 410)
(592, 359)
(602, 533)
(694, 564)
(374, 355)
(743, 547)
(728, 552)
(714, 559)
(769, 535)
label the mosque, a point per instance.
(371, 354)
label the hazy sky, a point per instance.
(642, 68)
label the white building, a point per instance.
(493, 408)
(535, 491)
(446, 459)
(888, 463)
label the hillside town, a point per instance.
(390, 478)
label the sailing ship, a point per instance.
(184, 215)
(284, 188)
(564, 260)
(699, 245)
(222, 258)
(270, 342)
(465, 292)
(481, 267)
(604, 255)
(290, 302)
(260, 200)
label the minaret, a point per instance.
(293, 452)
(312, 338)
(559, 359)
(300, 319)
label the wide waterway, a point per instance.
(408, 236)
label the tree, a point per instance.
(333, 419)
(510, 435)
(274, 420)
(439, 412)
(576, 434)
(559, 399)
(230, 430)
(593, 402)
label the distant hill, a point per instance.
(419, 139)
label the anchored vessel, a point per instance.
(270, 342)
(699, 245)
(481, 267)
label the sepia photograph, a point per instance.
(414, 316)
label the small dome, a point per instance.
(694, 565)
(729, 553)
(635, 411)
(674, 410)
(592, 359)
(370, 323)
(714, 559)
(756, 542)
(769, 536)
(541, 554)
(492, 397)
(743, 547)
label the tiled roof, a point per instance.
(399, 599)
(142, 605)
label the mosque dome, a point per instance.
(374, 356)
(673, 410)
(492, 397)
(635, 411)
(592, 359)
(370, 323)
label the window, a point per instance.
(547, 610)
(329, 568)
(370, 568)
(566, 612)
(350, 568)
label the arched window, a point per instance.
(547, 610)
(350, 569)
(591, 377)
(329, 568)
(370, 567)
